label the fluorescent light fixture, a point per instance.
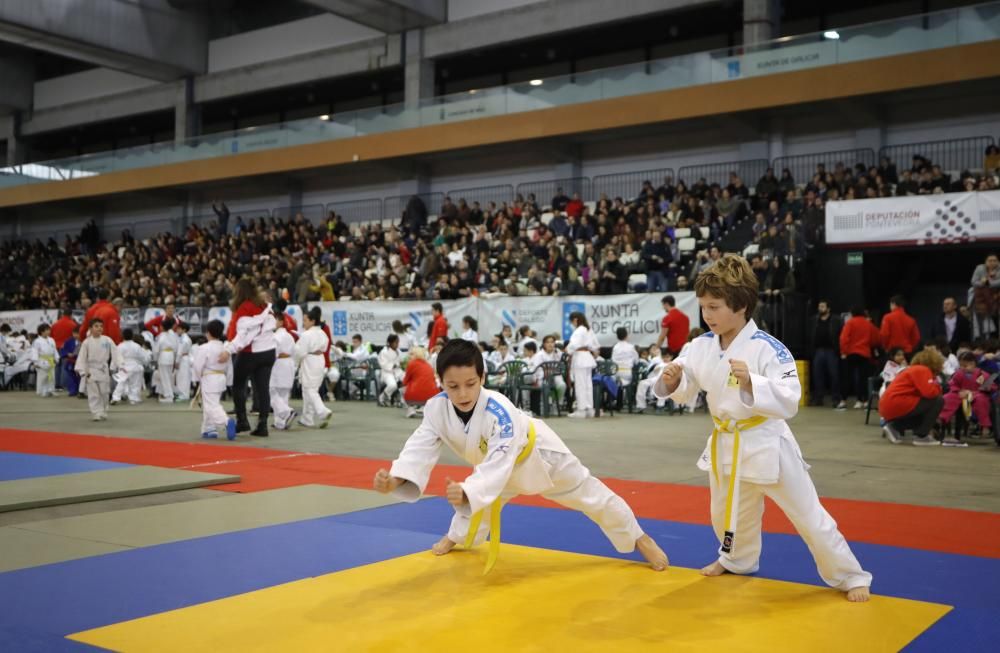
(536, 82)
(325, 116)
(472, 91)
(831, 34)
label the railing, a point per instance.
(358, 210)
(955, 154)
(544, 191)
(627, 185)
(484, 195)
(393, 207)
(803, 166)
(312, 212)
(860, 43)
(718, 173)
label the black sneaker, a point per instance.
(242, 427)
(260, 431)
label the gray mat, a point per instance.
(103, 484)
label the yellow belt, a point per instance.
(213, 372)
(734, 427)
(284, 355)
(50, 373)
(496, 507)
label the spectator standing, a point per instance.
(858, 343)
(951, 325)
(251, 340)
(439, 328)
(107, 313)
(674, 328)
(898, 328)
(824, 341)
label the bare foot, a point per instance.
(443, 546)
(858, 594)
(714, 569)
(653, 554)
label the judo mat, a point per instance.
(360, 578)
(125, 481)
(15, 466)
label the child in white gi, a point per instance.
(312, 368)
(129, 379)
(182, 375)
(657, 360)
(511, 453)
(752, 387)
(282, 375)
(45, 357)
(165, 353)
(582, 346)
(214, 377)
(625, 356)
(390, 370)
(95, 360)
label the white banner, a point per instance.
(543, 314)
(373, 320)
(781, 60)
(28, 320)
(915, 219)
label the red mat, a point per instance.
(919, 527)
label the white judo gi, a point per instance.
(45, 357)
(390, 373)
(312, 367)
(182, 375)
(768, 460)
(165, 353)
(93, 360)
(214, 378)
(580, 345)
(129, 377)
(494, 437)
(625, 357)
(282, 378)
(643, 387)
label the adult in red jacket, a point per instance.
(674, 328)
(913, 400)
(155, 326)
(858, 342)
(108, 314)
(440, 326)
(62, 330)
(899, 329)
(419, 384)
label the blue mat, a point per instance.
(15, 466)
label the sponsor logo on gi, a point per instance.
(571, 307)
(727, 542)
(339, 322)
(784, 356)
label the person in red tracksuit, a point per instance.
(858, 342)
(108, 314)
(155, 326)
(898, 328)
(913, 400)
(440, 326)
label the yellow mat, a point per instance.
(537, 600)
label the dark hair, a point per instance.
(621, 332)
(967, 357)
(127, 334)
(391, 340)
(357, 336)
(857, 311)
(580, 318)
(460, 353)
(669, 300)
(215, 329)
(103, 294)
(168, 323)
(436, 306)
(67, 312)
(97, 320)
(244, 291)
(473, 323)
(316, 315)
(279, 305)
(898, 301)
(4, 328)
(399, 327)
(892, 352)
(43, 327)
(530, 346)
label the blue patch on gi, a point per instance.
(707, 334)
(504, 422)
(784, 356)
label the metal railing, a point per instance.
(353, 211)
(627, 185)
(314, 213)
(544, 191)
(393, 207)
(718, 173)
(952, 154)
(484, 194)
(803, 166)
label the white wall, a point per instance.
(459, 9)
(86, 85)
(285, 40)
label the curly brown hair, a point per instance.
(245, 290)
(930, 358)
(731, 279)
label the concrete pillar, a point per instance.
(760, 21)
(418, 72)
(187, 114)
(10, 131)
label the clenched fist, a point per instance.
(741, 372)
(455, 494)
(384, 483)
(671, 376)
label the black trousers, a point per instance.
(858, 371)
(922, 418)
(256, 367)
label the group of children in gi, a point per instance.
(752, 388)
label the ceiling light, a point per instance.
(831, 34)
(536, 82)
(324, 117)
(472, 91)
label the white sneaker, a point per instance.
(858, 405)
(97, 418)
(841, 406)
(892, 434)
(926, 441)
(953, 442)
(578, 414)
(411, 412)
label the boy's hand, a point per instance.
(455, 494)
(741, 372)
(672, 376)
(384, 483)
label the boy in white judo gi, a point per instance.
(129, 379)
(214, 377)
(390, 371)
(95, 360)
(511, 453)
(45, 357)
(165, 353)
(312, 368)
(282, 375)
(182, 369)
(753, 387)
